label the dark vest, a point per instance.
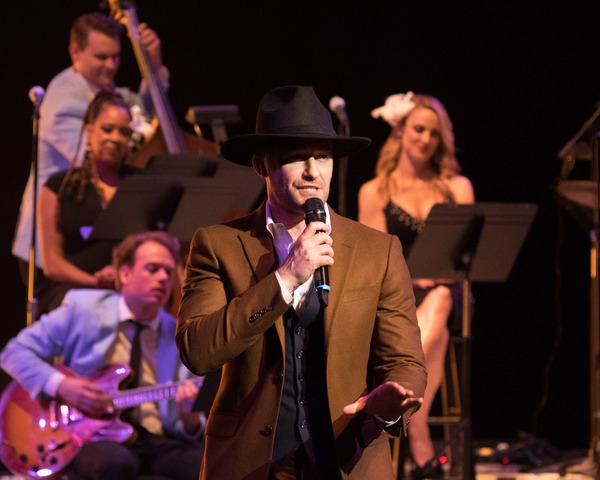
(304, 418)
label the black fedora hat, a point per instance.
(290, 113)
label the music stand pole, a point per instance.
(464, 262)
(468, 470)
(31, 300)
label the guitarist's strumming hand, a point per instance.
(86, 396)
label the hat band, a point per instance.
(300, 130)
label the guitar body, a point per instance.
(38, 439)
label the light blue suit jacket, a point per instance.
(81, 330)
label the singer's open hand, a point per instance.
(388, 401)
(312, 249)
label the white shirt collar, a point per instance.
(283, 243)
(125, 314)
(281, 238)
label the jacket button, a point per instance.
(268, 430)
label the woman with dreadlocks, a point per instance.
(72, 200)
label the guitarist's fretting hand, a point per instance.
(150, 41)
(185, 397)
(85, 395)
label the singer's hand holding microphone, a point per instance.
(311, 254)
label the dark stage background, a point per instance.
(518, 84)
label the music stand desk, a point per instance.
(436, 252)
(205, 201)
(141, 203)
(188, 165)
(232, 191)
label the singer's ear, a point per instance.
(260, 167)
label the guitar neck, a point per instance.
(136, 396)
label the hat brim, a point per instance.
(240, 149)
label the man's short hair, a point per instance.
(124, 253)
(83, 25)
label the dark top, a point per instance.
(406, 227)
(76, 221)
(402, 224)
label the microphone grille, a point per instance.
(314, 210)
(36, 94)
(336, 102)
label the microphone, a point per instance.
(36, 95)
(314, 211)
(338, 106)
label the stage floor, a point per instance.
(569, 466)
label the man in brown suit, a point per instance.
(310, 385)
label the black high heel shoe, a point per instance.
(428, 472)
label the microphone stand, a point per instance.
(343, 131)
(31, 300)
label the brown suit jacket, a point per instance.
(231, 315)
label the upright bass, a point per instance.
(172, 140)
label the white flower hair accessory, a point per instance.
(142, 129)
(396, 108)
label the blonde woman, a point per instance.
(417, 169)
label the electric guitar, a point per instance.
(38, 439)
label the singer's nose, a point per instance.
(310, 167)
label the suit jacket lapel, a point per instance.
(339, 271)
(257, 244)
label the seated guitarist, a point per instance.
(92, 329)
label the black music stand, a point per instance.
(206, 201)
(478, 242)
(186, 164)
(214, 190)
(180, 201)
(141, 203)
(215, 115)
(591, 220)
